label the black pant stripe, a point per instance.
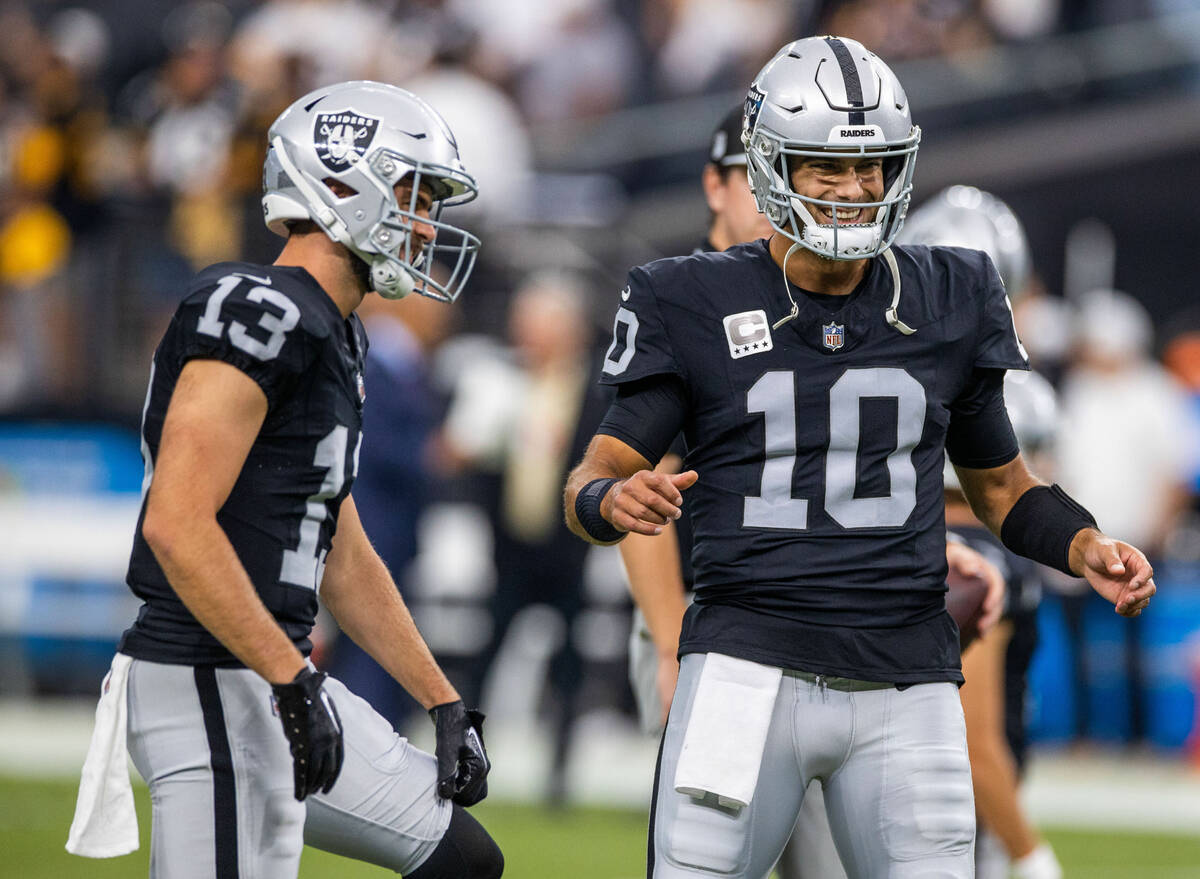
(654, 807)
(224, 783)
(854, 94)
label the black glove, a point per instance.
(462, 762)
(313, 730)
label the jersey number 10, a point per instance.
(774, 395)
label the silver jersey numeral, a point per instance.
(774, 395)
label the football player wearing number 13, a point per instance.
(251, 434)
(817, 377)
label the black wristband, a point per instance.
(1042, 524)
(587, 511)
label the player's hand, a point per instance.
(647, 500)
(1116, 570)
(313, 730)
(462, 761)
(969, 563)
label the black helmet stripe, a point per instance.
(854, 95)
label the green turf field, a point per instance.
(538, 844)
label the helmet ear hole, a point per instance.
(339, 189)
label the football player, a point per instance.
(251, 435)
(660, 571)
(818, 377)
(996, 665)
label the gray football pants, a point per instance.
(810, 853)
(893, 764)
(220, 774)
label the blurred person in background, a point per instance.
(50, 116)
(659, 571)
(251, 434)
(396, 469)
(310, 42)
(527, 422)
(1113, 370)
(707, 45)
(492, 134)
(560, 59)
(904, 29)
(1181, 357)
(996, 665)
(186, 112)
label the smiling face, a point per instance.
(848, 181)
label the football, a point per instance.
(965, 603)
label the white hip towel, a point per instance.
(105, 824)
(727, 730)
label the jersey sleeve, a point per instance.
(640, 346)
(256, 328)
(999, 347)
(980, 434)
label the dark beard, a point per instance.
(362, 272)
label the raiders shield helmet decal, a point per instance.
(343, 137)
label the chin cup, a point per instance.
(390, 281)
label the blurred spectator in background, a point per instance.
(49, 115)
(561, 59)
(395, 466)
(1181, 356)
(528, 422)
(308, 43)
(704, 45)
(488, 124)
(901, 29)
(996, 666)
(186, 112)
(1112, 370)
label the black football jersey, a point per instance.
(818, 514)
(278, 326)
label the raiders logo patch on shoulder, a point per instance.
(343, 137)
(747, 332)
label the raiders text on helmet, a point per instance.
(829, 97)
(369, 136)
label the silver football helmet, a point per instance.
(963, 216)
(369, 136)
(829, 97)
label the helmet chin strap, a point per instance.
(892, 317)
(795, 312)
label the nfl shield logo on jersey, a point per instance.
(343, 137)
(835, 335)
(362, 387)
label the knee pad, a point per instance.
(465, 852)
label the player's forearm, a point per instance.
(367, 606)
(656, 583)
(993, 492)
(203, 569)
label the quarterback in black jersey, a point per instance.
(251, 435)
(819, 377)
